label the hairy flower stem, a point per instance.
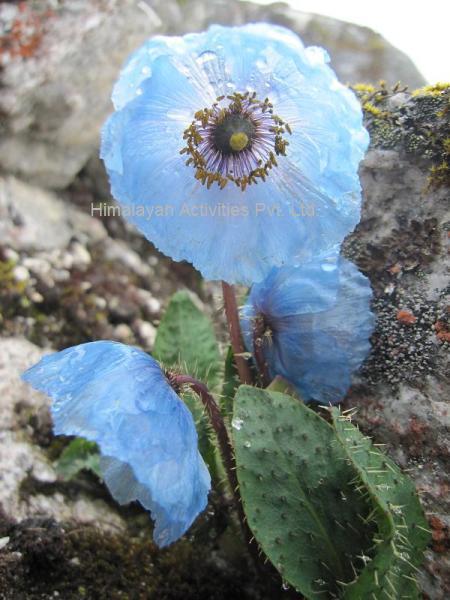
(259, 330)
(226, 449)
(231, 312)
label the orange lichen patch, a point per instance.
(24, 34)
(406, 317)
(417, 427)
(440, 534)
(442, 331)
(395, 269)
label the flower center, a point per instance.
(233, 134)
(236, 140)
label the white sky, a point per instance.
(420, 29)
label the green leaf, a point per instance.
(78, 455)
(403, 532)
(282, 385)
(186, 339)
(298, 492)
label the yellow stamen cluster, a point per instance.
(239, 142)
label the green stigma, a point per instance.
(238, 141)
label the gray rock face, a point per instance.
(34, 219)
(401, 244)
(60, 65)
(57, 98)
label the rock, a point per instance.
(400, 244)
(64, 280)
(152, 305)
(34, 219)
(123, 333)
(118, 250)
(54, 95)
(146, 332)
(81, 258)
(21, 273)
(24, 467)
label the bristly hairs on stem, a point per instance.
(225, 446)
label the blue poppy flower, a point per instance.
(236, 149)
(314, 325)
(118, 397)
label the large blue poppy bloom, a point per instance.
(316, 326)
(118, 397)
(271, 138)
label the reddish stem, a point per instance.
(258, 350)
(234, 328)
(225, 446)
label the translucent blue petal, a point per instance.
(139, 67)
(118, 397)
(287, 292)
(162, 86)
(321, 323)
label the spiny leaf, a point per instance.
(299, 499)
(402, 529)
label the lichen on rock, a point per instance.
(417, 122)
(401, 394)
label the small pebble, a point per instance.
(81, 256)
(123, 332)
(146, 332)
(21, 273)
(3, 542)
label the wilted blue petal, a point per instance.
(118, 397)
(228, 233)
(320, 322)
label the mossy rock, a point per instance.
(417, 123)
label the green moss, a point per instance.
(432, 90)
(83, 562)
(364, 88)
(440, 175)
(12, 291)
(7, 279)
(371, 108)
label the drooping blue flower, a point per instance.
(272, 140)
(316, 326)
(118, 397)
